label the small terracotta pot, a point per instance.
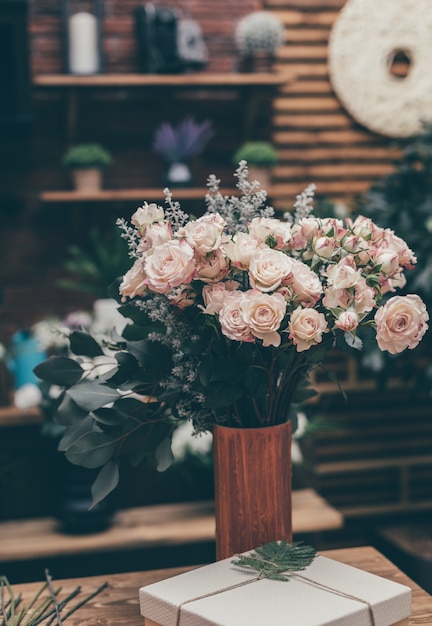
(87, 180)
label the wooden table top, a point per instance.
(150, 526)
(119, 602)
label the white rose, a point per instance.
(263, 313)
(269, 268)
(204, 234)
(170, 265)
(241, 249)
(147, 214)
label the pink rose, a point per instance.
(263, 313)
(386, 259)
(344, 274)
(305, 284)
(347, 321)
(231, 320)
(364, 296)
(337, 298)
(401, 323)
(262, 228)
(133, 283)
(169, 266)
(155, 235)
(214, 295)
(325, 247)
(182, 296)
(269, 268)
(211, 268)
(306, 327)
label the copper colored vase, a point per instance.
(253, 491)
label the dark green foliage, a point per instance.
(277, 559)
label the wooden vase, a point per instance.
(253, 491)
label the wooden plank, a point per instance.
(139, 195)
(290, 190)
(343, 467)
(312, 120)
(308, 70)
(119, 602)
(338, 153)
(332, 170)
(13, 416)
(323, 5)
(306, 87)
(316, 137)
(302, 105)
(162, 525)
(306, 18)
(163, 80)
(295, 52)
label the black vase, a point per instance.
(72, 499)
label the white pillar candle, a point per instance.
(83, 44)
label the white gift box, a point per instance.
(326, 593)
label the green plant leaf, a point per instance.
(92, 395)
(59, 370)
(83, 344)
(68, 412)
(106, 481)
(277, 559)
(164, 455)
(92, 449)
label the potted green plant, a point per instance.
(258, 35)
(260, 157)
(86, 161)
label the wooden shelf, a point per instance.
(13, 416)
(196, 80)
(139, 195)
(151, 526)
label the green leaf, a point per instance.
(109, 417)
(75, 431)
(106, 481)
(91, 395)
(277, 559)
(153, 357)
(83, 344)
(68, 412)
(127, 368)
(91, 449)
(164, 455)
(59, 370)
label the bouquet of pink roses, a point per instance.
(229, 313)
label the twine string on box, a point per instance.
(302, 578)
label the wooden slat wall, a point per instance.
(317, 140)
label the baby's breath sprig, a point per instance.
(173, 212)
(130, 235)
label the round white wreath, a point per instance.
(363, 43)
